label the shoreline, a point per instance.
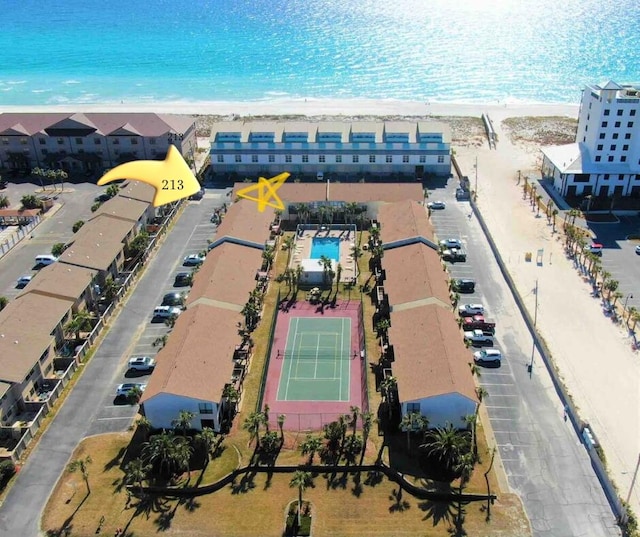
(315, 107)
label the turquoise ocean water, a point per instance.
(90, 51)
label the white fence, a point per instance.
(7, 244)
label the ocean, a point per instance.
(467, 51)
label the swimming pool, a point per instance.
(326, 246)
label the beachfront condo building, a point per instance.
(604, 161)
(88, 143)
(341, 150)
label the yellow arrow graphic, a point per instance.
(171, 177)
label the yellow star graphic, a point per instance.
(266, 191)
(172, 178)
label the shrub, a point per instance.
(4, 202)
(7, 469)
(57, 249)
(3, 303)
(77, 226)
(31, 202)
(95, 206)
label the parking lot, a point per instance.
(116, 413)
(543, 460)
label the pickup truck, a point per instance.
(454, 254)
(478, 338)
(470, 310)
(478, 322)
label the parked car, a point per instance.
(435, 205)
(142, 363)
(102, 198)
(595, 248)
(198, 195)
(127, 389)
(469, 310)
(487, 356)
(23, 281)
(463, 285)
(638, 249)
(166, 312)
(182, 279)
(451, 243)
(45, 259)
(455, 254)
(478, 322)
(193, 260)
(478, 338)
(462, 194)
(173, 299)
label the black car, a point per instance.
(198, 195)
(462, 285)
(173, 299)
(182, 279)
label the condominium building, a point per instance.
(605, 159)
(352, 148)
(90, 142)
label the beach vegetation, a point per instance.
(57, 249)
(76, 227)
(29, 201)
(3, 302)
(4, 202)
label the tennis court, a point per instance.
(316, 360)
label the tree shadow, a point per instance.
(149, 504)
(437, 511)
(246, 484)
(399, 504)
(191, 504)
(374, 478)
(357, 489)
(116, 460)
(163, 522)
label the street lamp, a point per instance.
(535, 322)
(476, 187)
(626, 300)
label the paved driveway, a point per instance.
(21, 511)
(543, 459)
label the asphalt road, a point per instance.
(545, 463)
(88, 403)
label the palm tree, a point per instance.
(281, 420)
(230, 397)
(181, 456)
(252, 424)
(183, 421)
(159, 451)
(554, 214)
(368, 419)
(356, 252)
(549, 210)
(481, 393)
(301, 480)
(355, 412)
(632, 311)
(62, 175)
(611, 286)
(327, 264)
(136, 472)
(268, 255)
(288, 244)
(311, 446)
(387, 386)
(350, 210)
(476, 371)
(617, 295)
(81, 322)
(144, 424)
(471, 420)
(538, 203)
(40, 174)
(446, 444)
(465, 467)
(207, 438)
(82, 465)
(338, 276)
(412, 422)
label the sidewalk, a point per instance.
(601, 373)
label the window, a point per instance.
(617, 124)
(598, 158)
(630, 124)
(372, 159)
(588, 117)
(97, 141)
(607, 112)
(621, 176)
(627, 136)
(440, 159)
(610, 159)
(632, 113)
(586, 128)
(220, 158)
(405, 158)
(45, 151)
(612, 147)
(42, 141)
(254, 158)
(60, 141)
(619, 112)
(5, 141)
(623, 158)
(305, 158)
(599, 147)
(272, 158)
(413, 408)
(602, 135)
(152, 141)
(423, 159)
(615, 136)
(321, 158)
(625, 147)
(606, 176)
(287, 158)
(79, 141)
(355, 158)
(238, 158)
(604, 124)
(134, 141)
(205, 408)
(389, 158)
(116, 141)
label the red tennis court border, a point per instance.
(312, 415)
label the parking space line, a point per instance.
(497, 383)
(116, 418)
(496, 406)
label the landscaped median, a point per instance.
(345, 501)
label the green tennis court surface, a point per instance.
(316, 360)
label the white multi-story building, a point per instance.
(90, 142)
(604, 161)
(352, 148)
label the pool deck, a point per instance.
(302, 249)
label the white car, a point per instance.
(142, 363)
(23, 281)
(192, 260)
(165, 312)
(478, 338)
(491, 356)
(125, 390)
(469, 310)
(436, 205)
(451, 243)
